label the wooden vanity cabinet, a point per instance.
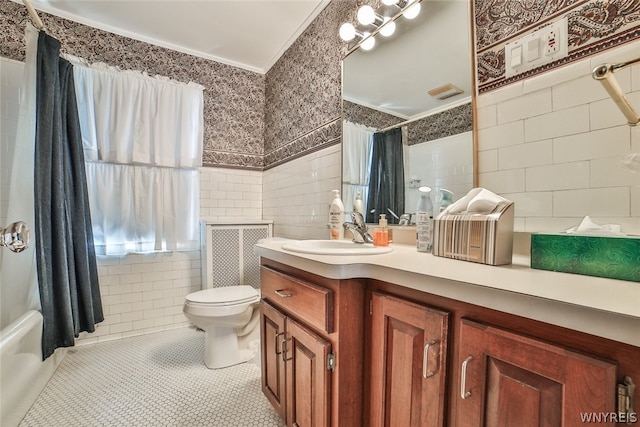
(507, 379)
(408, 363)
(312, 346)
(500, 369)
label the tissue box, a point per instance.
(611, 257)
(481, 238)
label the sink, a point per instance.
(334, 247)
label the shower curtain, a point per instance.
(386, 183)
(66, 263)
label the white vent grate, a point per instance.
(230, 259)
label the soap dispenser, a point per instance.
(424, 220)
(381, 234)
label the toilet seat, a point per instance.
(223, 296)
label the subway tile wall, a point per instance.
(297, 194)
(145, 293)
(555, 144)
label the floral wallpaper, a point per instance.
(594, 26)
(234, 99)
(256, 121)
(440, 125)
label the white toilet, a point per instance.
(229, 317)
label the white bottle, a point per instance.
(336, 217)
(358, 204)
(424, 220)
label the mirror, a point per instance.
(388, 87)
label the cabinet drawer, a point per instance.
(311, 303)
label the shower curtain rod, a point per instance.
(604, 74)
(34, 15)
(427, 114)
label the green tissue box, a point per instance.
(611, 257)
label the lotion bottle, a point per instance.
(358, 204)
(381, 234)
(336, 217)
(424, 220)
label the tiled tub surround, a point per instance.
(554, 144)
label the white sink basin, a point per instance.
(334, 247)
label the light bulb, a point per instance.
(347, 32)
(369, 43)
(366, 15)
(388, 28)
(390, 2)
(412, 11)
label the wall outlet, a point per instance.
(531, 51)
(551, 43)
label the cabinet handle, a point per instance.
(276, 342)
(282, 294)
(283, 347)
(463, 378)
(425, 360)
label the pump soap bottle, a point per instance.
(336, 217)
(424, 220)
(381, 234)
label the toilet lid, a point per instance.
(227, 295)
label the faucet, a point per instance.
(358, 228)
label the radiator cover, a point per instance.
(228, 258)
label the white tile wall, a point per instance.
(145, 293)
(297, 194)
(554, 144)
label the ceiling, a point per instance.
(250, 34)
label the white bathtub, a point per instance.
(23, 374)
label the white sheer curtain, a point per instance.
(357, 146)
(142, 138)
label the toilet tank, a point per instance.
(228, 258)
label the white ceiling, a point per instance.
(250, 34)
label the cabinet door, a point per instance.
(409, 346)
(272, 330)
(308, 379)
(507, 379)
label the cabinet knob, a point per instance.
(463, 378)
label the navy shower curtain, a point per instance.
(386, 182)
(67, 270)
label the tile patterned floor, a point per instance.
(151, 380)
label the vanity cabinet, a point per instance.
(311, 346)
(507, 379)
(296, 379)
(408, 363)
(495, 368)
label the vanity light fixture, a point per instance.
(370, 22)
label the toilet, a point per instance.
(229, 316)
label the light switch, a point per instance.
(516, 56)
(533, 49)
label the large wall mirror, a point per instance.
(414, 86)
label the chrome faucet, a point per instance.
(358, 228)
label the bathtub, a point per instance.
(23, 374)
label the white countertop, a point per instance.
(605, 307)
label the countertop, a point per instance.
(604, 307)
